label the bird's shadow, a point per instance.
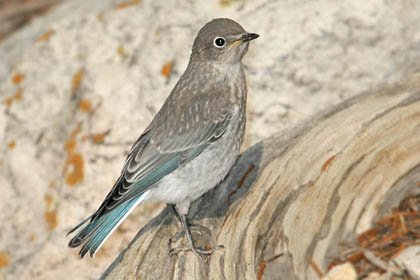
(215, 203)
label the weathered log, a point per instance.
(293, 197)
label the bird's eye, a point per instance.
(219, 42)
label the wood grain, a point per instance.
(306, 189)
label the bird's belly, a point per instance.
(198, 176)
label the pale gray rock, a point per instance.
(311, 55)
(343, 271)
(409, 260)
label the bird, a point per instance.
(190, 145)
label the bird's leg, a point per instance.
(178, 234)
(198, 251)
(173, 210)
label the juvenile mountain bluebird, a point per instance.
(192, 142)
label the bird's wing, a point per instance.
(162, 149)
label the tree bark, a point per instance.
(294, 196)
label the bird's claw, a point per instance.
(198, 251)
(178, 235)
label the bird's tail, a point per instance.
(96, 232)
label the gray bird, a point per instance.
(192, 142)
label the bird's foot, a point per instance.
(200, 252)
(199, 229)
(177, 236)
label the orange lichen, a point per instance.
(121, 50)
(70, 145)
(51, 219)
(167, 69)
(98, 138)
(4, 259)
(48, 200)
(18, 78)
(126, 4)
(52, 184)
(50, 215)
(12, 144)
(74, 169)
(225, 3)
(75, 132)
(9, 101)
(44, 37)
(77, 79)
(85, 105)
(32, 238)
(17, 97)
(327, 163)
(74, 165)
(100, 16)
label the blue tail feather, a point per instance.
(97, 231)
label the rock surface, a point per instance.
(78, 85)
(409, 260)
(343, 271)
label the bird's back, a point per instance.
(223, 95)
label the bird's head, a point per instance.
(222, 40)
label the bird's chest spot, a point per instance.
(235, 90)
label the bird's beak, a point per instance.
(248, 37)
(244, 38)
